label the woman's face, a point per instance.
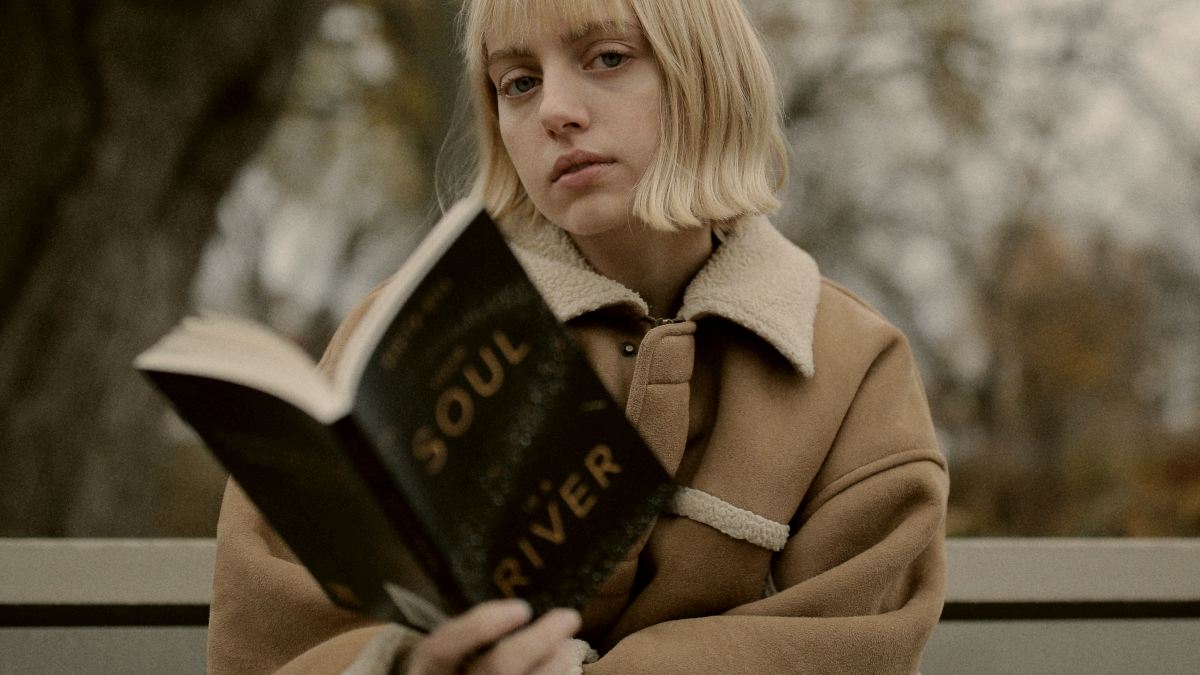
(579, 117)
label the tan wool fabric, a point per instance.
(810, 539)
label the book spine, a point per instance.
(395, 506)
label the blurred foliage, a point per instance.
(1070, 443)
(1015, 183)
(342, 188)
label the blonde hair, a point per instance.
(721, 153)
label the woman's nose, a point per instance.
(564, 108)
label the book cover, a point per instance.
(475, 447)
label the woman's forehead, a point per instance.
(512, 22)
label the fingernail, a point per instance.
(518, 609)
(568, 619)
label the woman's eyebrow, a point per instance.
(587, 30)
(517, 52)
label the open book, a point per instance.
(462, 450)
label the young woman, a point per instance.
(630, 149)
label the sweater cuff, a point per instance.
(583, 654)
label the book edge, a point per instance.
(396, 293)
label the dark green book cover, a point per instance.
(478, 444)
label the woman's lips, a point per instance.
(575, 161)
(582, 174)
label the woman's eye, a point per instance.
(518, 85)
(611, 59)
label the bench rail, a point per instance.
(1012, 605)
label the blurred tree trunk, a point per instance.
(123, 122)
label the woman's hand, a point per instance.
(541, 648)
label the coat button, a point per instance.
(628, 349)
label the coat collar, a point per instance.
(756, 279)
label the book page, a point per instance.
(247, 353)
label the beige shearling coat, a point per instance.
(809, 535)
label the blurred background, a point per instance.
(1015, 183)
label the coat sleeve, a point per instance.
(861, 579)
(268, 614)
(267, 611)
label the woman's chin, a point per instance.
(591, 222)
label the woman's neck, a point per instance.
(657, 265)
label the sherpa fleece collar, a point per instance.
(756, 278)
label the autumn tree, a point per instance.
(123, 123)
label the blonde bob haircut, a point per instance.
(721, 153)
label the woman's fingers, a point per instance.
(448, 646)
(530, 649)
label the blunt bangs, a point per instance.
(517, 19)
(721, 153)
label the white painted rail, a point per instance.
(1012, 606)
(106, 571)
